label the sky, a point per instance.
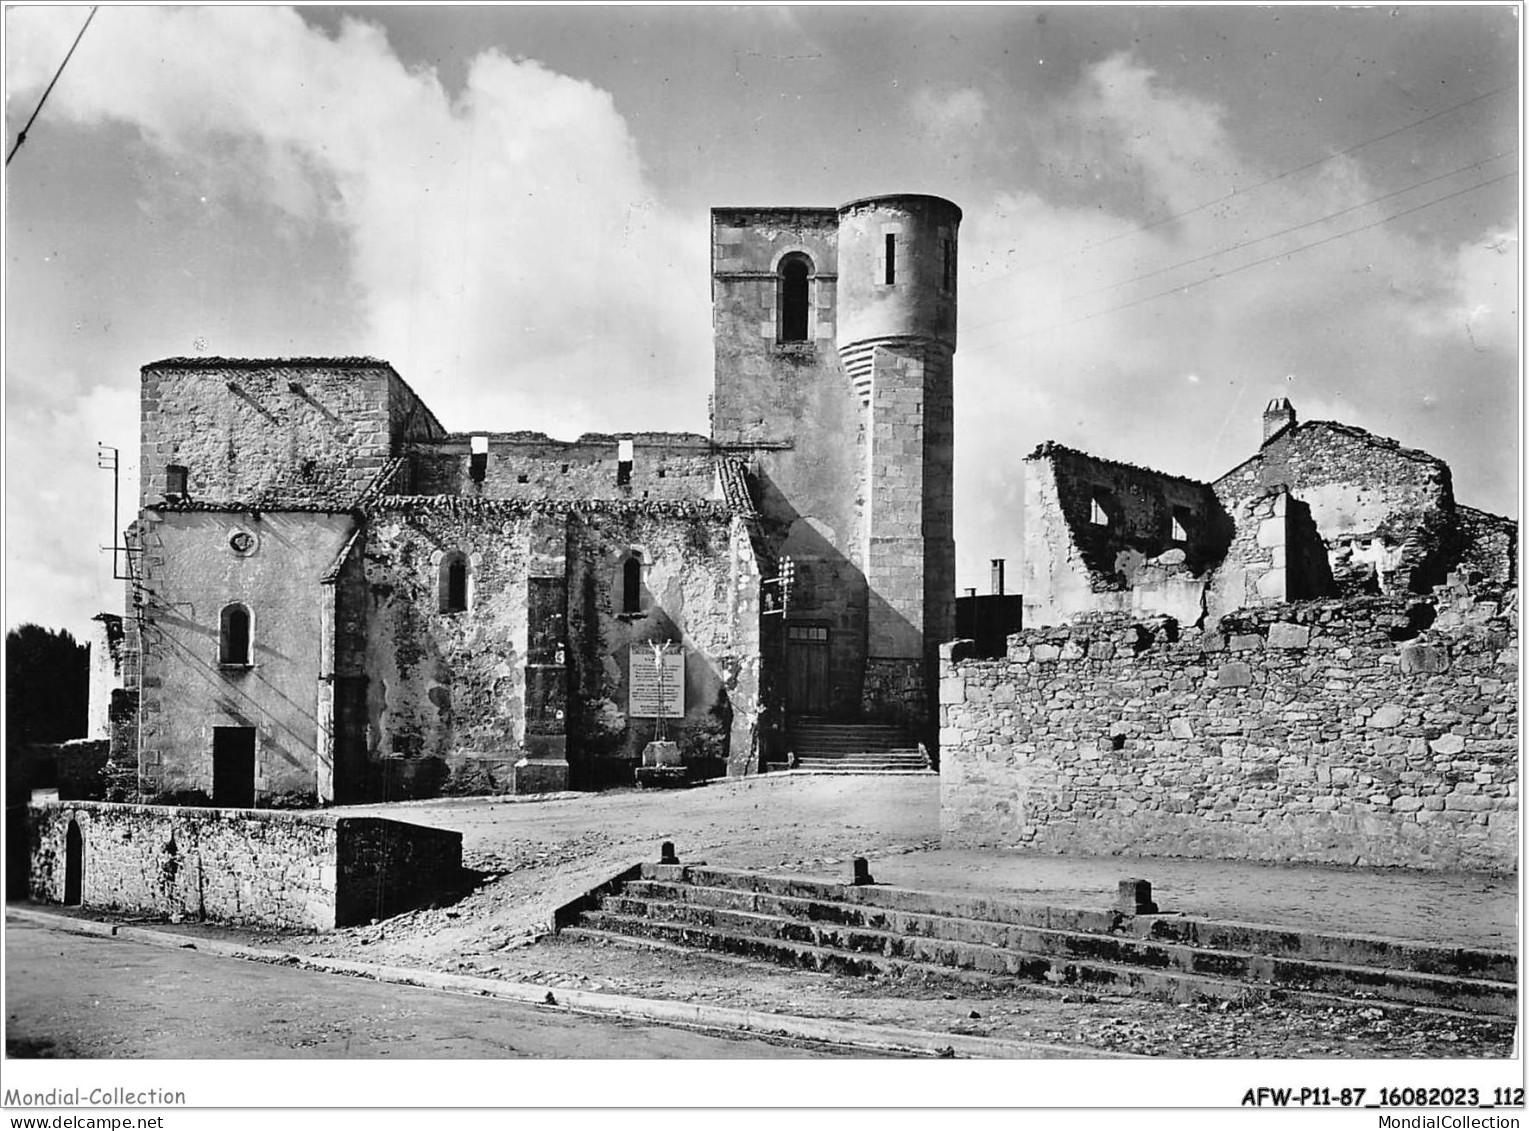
(1171, 216)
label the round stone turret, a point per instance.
(897, 276)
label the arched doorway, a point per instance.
(74, 864)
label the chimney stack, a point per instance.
(1279, 416)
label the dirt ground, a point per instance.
(533, 855)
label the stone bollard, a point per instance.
(1135, 898)
(862, 872)
(666, 853)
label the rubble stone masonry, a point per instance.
(277, 869)
(1379, 731)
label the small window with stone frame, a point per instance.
(235, 637)
(453, 583)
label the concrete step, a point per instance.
(830, 738)
(850, 771)
(850, 929)
(855, 752)
(1169, 985)
(1357, 949)
(896, 909)
(1004, 949)
(829, 748)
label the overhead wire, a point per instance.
(1257, 240)
(1236, 192)
(1183, 287)
(22, 136)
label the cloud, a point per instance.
(1087, 297)
(503, 246)
(60, 504)
(947, 112)
(299, 192)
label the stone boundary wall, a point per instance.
(262, 867)
(1330, 732)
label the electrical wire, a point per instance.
(1254, 187)
(1260, 239)
(22, 136)
(1244, 267)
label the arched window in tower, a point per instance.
(234, 636)
(453, 582)
(631, 583)
(794, 298)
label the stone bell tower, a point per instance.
(896, 337)
(834, 330)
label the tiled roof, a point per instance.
(735, 485)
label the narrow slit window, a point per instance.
(891, 277)
(795, 304)
(1181, 522)
(454, 583)
(631, 583)
(1097, 514)
(234, 636)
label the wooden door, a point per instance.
(807, 669)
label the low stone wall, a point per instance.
(266, 867)
(1356, 732)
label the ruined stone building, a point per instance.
(1313, 658)
(335, 598)
(1320, 510)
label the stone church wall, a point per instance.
(446, 691)
(1360, 732)
(296, 433)
(531, 465)
(191, 571)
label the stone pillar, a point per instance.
(545, 767)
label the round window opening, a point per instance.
(242, 542)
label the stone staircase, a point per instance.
(898, 933)
(854, 748)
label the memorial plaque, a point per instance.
(652, 697)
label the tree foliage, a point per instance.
(47, 685)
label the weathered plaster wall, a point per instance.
(447, 691)
(305, 870)
(746, 691)
(1133, 563)
(1301, 732)
(1362, 490)
(107, 674)
(274, 433)
(190, 572)
(690, 598)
